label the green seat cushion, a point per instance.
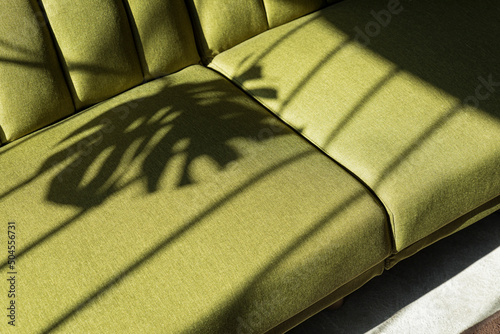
(96, 48)
(405, 96)
(180, 205)
(33, 92)
(163, 35)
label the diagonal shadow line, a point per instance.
(17, 48)
(7, 146)
(162, 245)
(369, 95)
(53, 232)
(311, 232)
(71, 67)
(303, 83)
(19, 186)
(273, 45)
(21, 62)
(24, 183)
(46, 236)
(34, 175)
(415, 145)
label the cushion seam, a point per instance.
(388, 212)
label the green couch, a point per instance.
(222, 166)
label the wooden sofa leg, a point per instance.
(335, 306)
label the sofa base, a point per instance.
(335, 306)
(330, 299)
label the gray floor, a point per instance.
(442, 289)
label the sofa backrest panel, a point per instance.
(221, 24)
(283, 11)
(96, 47)
(163, 35)
(33, 92)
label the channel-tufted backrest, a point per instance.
(60, 55)
(109, 46)
(70, 54)
(163, 34)
(33, 92)
(283, 11)
(222, 24)
(96, 47)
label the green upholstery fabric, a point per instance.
(163, 35)
(33, 92)
(97, 47)
(180, 205)
(327, 301)
(283, 11)
(458, 224)
(410, 107)
(221, 24)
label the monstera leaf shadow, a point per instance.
(145, 134)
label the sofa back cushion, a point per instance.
(283, 11)
(221, 24)
(163, 35)
(109, 46)
(97, 47)
(33, 92)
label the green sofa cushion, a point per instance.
(410, 107)
(33, 92)
(163, 35)
(180, 205)
(96, 46)
(221, 24)
(283, 11)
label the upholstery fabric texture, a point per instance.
(97, 48)
(163, 35)
(33, 92)
(237, 222)
(283, 11)
(458, 224)
(327, 301)
(411, 107)
(221, 24)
